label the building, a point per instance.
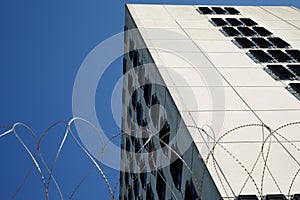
(211, 102)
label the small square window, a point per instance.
(260, 56)
(262, 31)
(248, 22)
(205, 10)
(218, 22)
(218, 10)
(231, 11)
(234, 22)
(243, 42)
(230, 31)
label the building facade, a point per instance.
(211, 104)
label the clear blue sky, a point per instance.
(42, 45)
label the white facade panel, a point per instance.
(175, 46)
(162, 34)
(284, 12)
(230, 60)
(268, 98)
(295, 22)
(256, 13)
(154, 23)
(183, 77)
(188, 24)
(243, 77)
(183, 12)
(214, 46)
(205, 34)
(277, 25)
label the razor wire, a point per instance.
(38, 160)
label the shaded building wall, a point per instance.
(150, 169)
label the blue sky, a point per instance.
(42, 45)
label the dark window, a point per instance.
(131, 47)
(137, 145)
(295, 69)
(218, 10)
(260, 56)
(127, 144)
(205, 10)
(296, 197)
(139, 114)
(248, 22)
(261, 42)
(295, 54)
(143, 177)
(176, 169)
(247, 197)
(190, 191)
(246, 31)
(262, 31)
(164, 134)
(126, 177)
(295, 87)
(149, 193)
(160, 185)
(121, 178)
(279, 72)
(230, 31)
(133, 139)
(278, 42)
(275, 197)
(130, 194)
(154, 100)
(134, 98)
(147, 93)
(144, 123)
(135, 58)
(234, 21)
(136, 187)
(243, 42)
(218, 22)
(280, 56)
(124, 65)
(231, 10)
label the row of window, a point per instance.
(164, 136)
(160, 183)
(233, 22)
(279, 72)
(176, 170)
(190, 191)
(274, 55)
(218, 11)
(245, 31)
(139, 108)
(259, 42)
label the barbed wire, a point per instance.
(37, 159)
